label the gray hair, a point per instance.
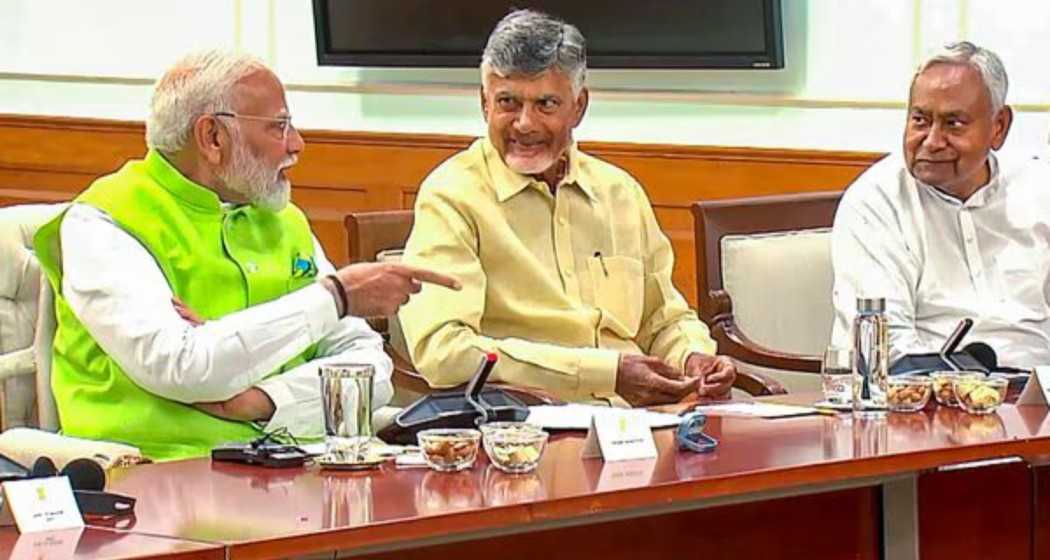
(197, 84)
(987, 63)
(529, 43)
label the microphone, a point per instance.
(43, 467)
(85, 474)
(953, 341)
(984, 354)
(88, 479)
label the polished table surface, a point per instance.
(93, 542)
(273, 512)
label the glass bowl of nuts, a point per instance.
(514, 447)
(944, 386)
(979, 394)
(449, 450)
(908, 393)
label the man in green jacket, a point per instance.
(194, 304)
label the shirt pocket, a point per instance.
(618, 284)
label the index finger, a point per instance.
(675, 388)
(424, 275)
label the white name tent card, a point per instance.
(42, 504)
(1037, 389)
(619, 435)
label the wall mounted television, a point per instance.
(620, 33)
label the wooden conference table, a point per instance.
(813, 487)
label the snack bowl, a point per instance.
(978, 394)
(449, 449)
(944, 386)
(514, 447)
(908, 393)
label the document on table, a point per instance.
(758, 410)
(575, 416)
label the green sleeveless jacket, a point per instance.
(217, 261)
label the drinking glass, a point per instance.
(836, 375)
(346, 394)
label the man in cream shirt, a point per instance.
(565, 271)
(949, 231)
(194, 304)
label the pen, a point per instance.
(601, 259)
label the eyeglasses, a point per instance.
(284, 124)
(690, 434)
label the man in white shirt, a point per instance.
(949, 231)
(194, 304)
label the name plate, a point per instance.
(619, 435)
(42, 504)
(1037, 389)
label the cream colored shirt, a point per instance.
(558, 284)
(937, 259)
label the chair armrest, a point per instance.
(406, 377)
(19, 362)
(732, 342)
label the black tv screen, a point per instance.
(620, 33)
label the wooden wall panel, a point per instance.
(53, 158)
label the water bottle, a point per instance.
(870, 353)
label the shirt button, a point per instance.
(562, 221)
(251, 267)
(568, 273)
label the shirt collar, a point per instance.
(508, 182)
(177, 184)
(978, 198)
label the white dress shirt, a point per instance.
(118, 292)
(937, 259)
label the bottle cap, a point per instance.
(871, 304)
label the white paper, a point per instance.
(1037, 390)
(575, 416)
(756, 409)
(42, 504)
(619, 435)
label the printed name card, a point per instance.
(1037, 389)
(619, 435)
(42, 504)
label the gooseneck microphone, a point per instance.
(953, 342)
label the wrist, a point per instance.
(331, 283)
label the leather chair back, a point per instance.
(765, 280)
(26, 321)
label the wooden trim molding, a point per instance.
(44, 158)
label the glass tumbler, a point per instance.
(346, 394)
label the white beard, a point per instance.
(264, 188)
(530, 166)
